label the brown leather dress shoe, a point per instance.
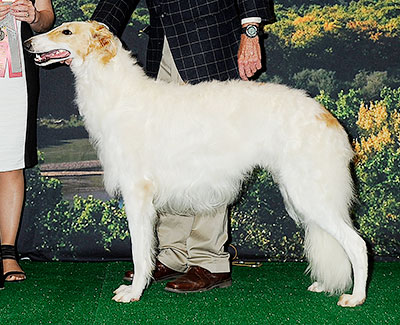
(161, 273)
(198, 279)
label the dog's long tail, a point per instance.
(329, 265)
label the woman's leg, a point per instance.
(12, 189)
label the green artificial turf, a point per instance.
(80, 293)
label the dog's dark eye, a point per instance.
(67, 32)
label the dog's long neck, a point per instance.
(101, 87)
(96, 73)
(106, 83)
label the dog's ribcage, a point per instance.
(197, 143)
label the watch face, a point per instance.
(251, 31)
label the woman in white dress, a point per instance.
(18, 110)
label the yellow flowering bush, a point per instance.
(345, 39)
(370, 19)
(376, 141)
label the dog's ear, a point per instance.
(103, 43)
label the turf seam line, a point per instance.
(96, 314)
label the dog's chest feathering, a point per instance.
(183, 181)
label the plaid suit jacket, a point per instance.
(203, 35)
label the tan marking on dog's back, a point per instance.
(326, 117)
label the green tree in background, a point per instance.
(67, 11)
(378, 172)
(315, 81)
(344, 39)
(82, 222)
(83, 10)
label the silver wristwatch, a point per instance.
(251, 31)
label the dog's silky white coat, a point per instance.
(187, 149)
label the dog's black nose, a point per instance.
(28, 45)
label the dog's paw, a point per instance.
(316, 287)
(120, 288)
(351, 300)
(126, 294)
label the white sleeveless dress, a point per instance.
(13, 117)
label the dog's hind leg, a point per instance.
(332, 245)
(329, 263)
(141, 220)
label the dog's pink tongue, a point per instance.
(57, 54)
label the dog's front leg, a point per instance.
(141, 218)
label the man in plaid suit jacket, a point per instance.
(194, 41)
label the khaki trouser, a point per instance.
(191, 240)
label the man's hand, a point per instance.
(249, 56)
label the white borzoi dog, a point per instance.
(187, 148)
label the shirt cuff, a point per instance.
(251, 20)
(103, 24)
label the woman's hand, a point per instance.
(40, 16)
(4, 10)
(24, 10)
